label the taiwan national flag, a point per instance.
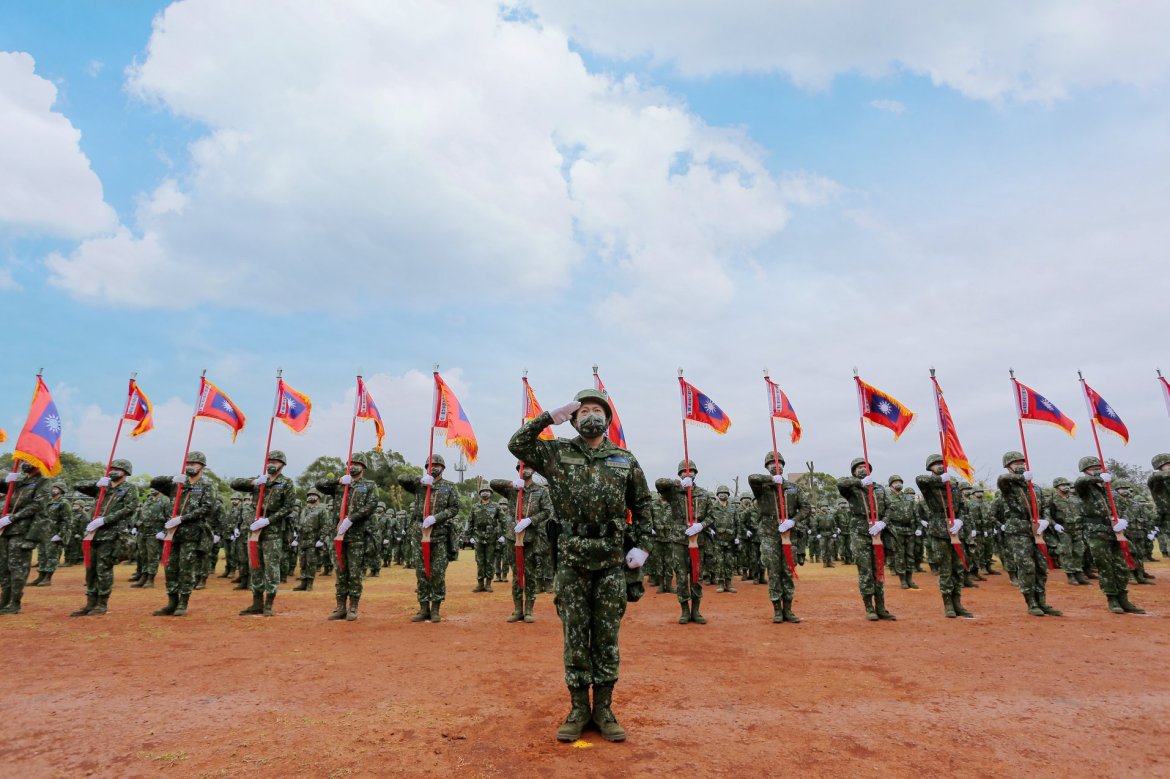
(532, 410)
(40, 440)
(617, 433)
(366, 409)
(780, 408)
(138, 409)
(699, 408)
(292, 407)
(215, 405)
(450, 416)
(1104, 415)
(1034, 407)
(883, 410)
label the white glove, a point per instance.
(472, 540)
(818, 535)
(161, 536)
(345, 480)
(687, 483)
(180, 479)
(562, 414)
(925, 523)
(877, 527)
(95, 524)
(1027, 476)
(215, 539)
(749, 534)
(235, 534)
(778, 478)
(426, 480)
(867, 481)
(711, 532)
(259, 524)
(918, 533)
(737, 542)
(945, 476)
(173, 522)
(11, 477)
(319, 544)
(261, 479)
(652, 532)
(955, 528)
(294, 543)
(1003, 528)
(636, 558)
(56, 539)
(1041, 526)
(1120, 525)
(523, 524)
(786, 525)
(518, 484)
(1151, 535)
(345, 525)
(1106, 477)
(429, 521)
(974, 534)
(1058, 527)
(694, 529)
(103, 482)
(500, 540)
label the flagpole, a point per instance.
(942, 443)
(339, 539)
(692, 541)
(254, 537)
(170, 537)
(1121, 539)
(519, 550)
(426, 531)
(1036, 537)
(879, 549)
(781, 504)
(12, 484)
(86, 543)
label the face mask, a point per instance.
(27, 469)
(436, 471)
(191, 470)
(117, 476)
(1018, 469)
(897, 487)
(355, 470)
(312, 501)
(272, 468)
(591, 425)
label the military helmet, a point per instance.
(60, 485)
(197, 457)
(1060, 481)
(687, 465)
(1160, 460)
(597, 396)
(1011, 457)
(910, 491)
(895, 478)
(1088, 462)
(312, 492)
(745, 498)
(772, 457)
(934, 459)
(485, 488)
(502, 501)
(123, 465)
(722, 489)
(359, 458)
(381, 505)
(964, 486)
(856, 462)
(1123, 484)
(437, 459)
(278, 455)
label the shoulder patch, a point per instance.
(790, 490)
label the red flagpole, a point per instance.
(519, 550)
(87, 542)
(942, 442)
(254, 537)
(168, 541)
(692, 541)
(879, 550)
(339, 538)
(1121, 539)
(781, 505)
(1036, 537)
(426, 534)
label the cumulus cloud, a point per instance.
(889, 106)
(48, 187)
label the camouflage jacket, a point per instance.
(1159, 484)
(934, 498)
(537, 507)
(56, 520)
(857, 496)
(725, 521)
(900, 513)
(155, 512)
(676, 499)
(1095, 514)
(1016, 499)
(30, 501)
(444, 506)
(796, 507)
(199, 506)
(279, 503)
(314, 525)
(487, 522)
(360, 502)
(1063, 512)
(119, 507)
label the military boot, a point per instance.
(528, 617)
(479, 586)
(435, 616)
(238, 579)
(949, 606)
(487, 585)
(603, 713)
(905, 577)
(777, 612)
(181, 610)
(879, 605)
(13, 606)
(243, 585)
(201, 583)
(1082, 579)
(140, 583)
(958, 600)
(1033, 607)
(574, 724)
(308, 585)
(303, 586)
(990, 572)
(727, 586)
(5, 597)
(517, 612)
(37, 581)
(722, 587)
(351, 614)
(48, 582)
(1042, 602)
(978, 576)
(685, 617)
(136, 577)
(90, 602)
(424, 612)
(340, 611)
(257, 606)
(696, 617)
(763, 578)
(149, 585)
(100, 609)
(169, 609)
(789, 616)
(1072, 579)
(870, 612)
(1122, 599)
(269, 599)
(910, 580)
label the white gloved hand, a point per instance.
(786, 525)
(518, 483)
(777, 478)
(694, 529)
(180, 479)
(10, 478)
(877, 527)
(55, 539)
(161, 536)
(295, 543)
(636, 558)
(737, 542)
(1120, 525)
(173, 522)
(867, 481)
(711, 532)
(95, 524)
(974, 534)
(652, 532)
(1059, 528)
(523, 524)
(1151, 535)
(103, 482)
(687, 482)
(1027, 476)
(562, 414)
(1041, 526)
(426, 480)
(345, 480)
(429, 521)
(955, 528)
(319, 544)
(215, 539)
(924, 523)
(345, 525)
(259, 524)
(918, 533)
(749, 534)
(235, 534)
(472, 540)
(500, 540)
(1003, 528)
(259, 480)
(945, 476)
(818, 535)
(1106, 477)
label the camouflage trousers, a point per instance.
(307, 555)
(99, 576)
(48, 556)
(1030, 566)
(755, 557)
(434, 589)
(350, 573)
(986, 549)
(590, 605)
(663, 561)
(530, 577)
(373, 558)
(210, 560)
(541, 558)
(149, 552)
(950, 568)
(184, 566)
(1072, 550)
(902, 551)
(781, 585)
(485, 559)
(14, 570)
(267, 576)
(724, 562)
(828, 548)
(1111, 568)
(686, 587)
(864, 558)
(239, 549)
(505, 560)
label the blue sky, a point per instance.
(329, 189)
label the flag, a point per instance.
(218, 407)
(699, 408)
(292, 408)
(367, 410)
(138, 409)
(532, 410)
(616, 433)
(953, 454)
(781, 408)
(3, 435)
(1104, 415)
(883, 410)
(450, 416)
(1034, 407)
(1161, 380)
(39, 442)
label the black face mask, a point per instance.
(28, 470)
(436, 471)
(312, 501)
(272, 469)
(191, 471)
(116, 476)
(355, 470)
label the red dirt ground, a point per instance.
(214, 694)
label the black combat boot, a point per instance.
(169, 609)
(1114, 605)
(90, 602)
(269, 599)
(487, 585)
(528, 606)
(136, 577)
(181, 611)
(685, 617)
(257, 606)
(435, 616)
(1122, 599)
(949, 606)
(1072, 579)
(37, 581)
(479, 586)
(727, 586)
(1042, 602)
(149, 585)
(879, 605)
(579, 713)
(958, 601)
(870, 612)
(303, 586)
(340, 611)
(1033, 607)
(138, 585)
(517, 611)
(789, 616)
(100, 609)
(777, 612)
(603, 716)
(696, 617)
(351, 614)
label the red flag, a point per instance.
(292, 408)
(532, 410)
(616, 434)
(3, 435)
(40, 439)
(366, 409)
(881, 409)
(782, 409)
(953, 454)
(1034, 407)
(1104, 415)
(450, 416)
(1161, 380)
(138, 409)
(700, 409)
(218, 407)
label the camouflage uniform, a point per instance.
(57, 519)
(660, 567)
(1141, 523)
(950, 568)
(444, 508)
(505, 557)
(29, 504)
(901, 515)
(1015, 492)
(377, 534)
(983, 524)
(689, 590)
(773, 565)
(751, 525)
(119, 507)
(825, 534)
(361, 502)
(154, 515)
(487, 524)
(857, 495)
(199, 505)
(1101, 538)
(314, 534)
(728, 538)
(1159, 486)
(278, 504)
(537, 507)
(1064, 512)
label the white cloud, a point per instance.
(47, 186)
(94, 68)
(889, 106)
(992, 50)
(6, 280)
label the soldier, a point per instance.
(674, 491)
(593, 484)
(771, 527)
(901, 516)
(152, 518)
(728, 537)
(750, 521)
(401, 542)
(313, 533)
(486, 525)
(970, 536)
(444, 508)
(1067, 521)
(857, 489)
(1015, 491)
(935, 485)
(983, 525)
(361, 501)
(1141, 523)
(825, 535)
(119, 507)
(21, 528)
(505, 558)
(1101, 535)
(919, 525)
(660, 529)
(1159, 485)
(277, 509)
(240, 515)
(533, 515)
(198, 507)
(57, 519)
(377, 535)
